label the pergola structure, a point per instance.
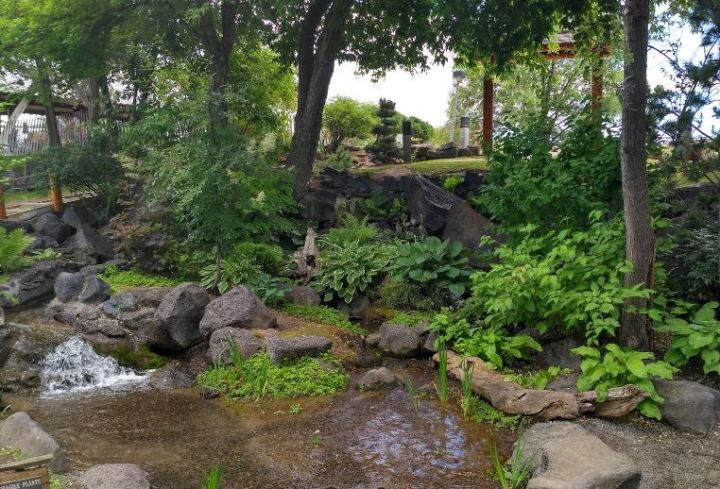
(563, 47)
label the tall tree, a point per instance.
(640, 237)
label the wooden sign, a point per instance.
(26, 479)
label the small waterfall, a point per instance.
(74, 366)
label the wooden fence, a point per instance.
(29, 134)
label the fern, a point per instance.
(12, 246)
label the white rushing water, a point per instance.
(74, 366)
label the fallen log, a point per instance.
(512, 398)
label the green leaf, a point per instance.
(456, 289)
(650, 409)
(637, 367)
(661, 369)
(699, 340)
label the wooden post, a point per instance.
(596, 90)
(56, 198)
(3, 210)
(488, 104)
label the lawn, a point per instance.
(27, 196)
(435, 167)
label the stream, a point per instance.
(103, 413)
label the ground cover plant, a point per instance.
(258, 377)
(119, 280)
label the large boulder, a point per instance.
(21, 432)
(557, 354)
(238, 308)
(689, 406)
(89, 241)
(564, 455)
(84, 318)
(13, 225)
(49, 224)
(180, 312)
(399, 340)
(78, 216)
(67, 286)
(466, 225)
(40, 242)
(34, 283)
(171, 377)
(82, 287)
(219, 346)
(302, 295)
(282, 350)
(319, 205)
(115, 476)
(94, 290)
(428, 203)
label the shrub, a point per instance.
(433, 263)
(698, 337)
(340, 160)
(269, 258)
(399, 295)
(568, 279)
(325, 315)
(234, 271)
(258, 377)
(351, 269)
(615, 367)
(351, 230)
(527, 184)
(491, 344)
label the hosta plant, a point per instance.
(699, 336)
(434, 263)
(351, 269)
(616, 366)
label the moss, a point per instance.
(258, 377)
(324, 315)
(142, 359)
(482, 412)
(120, 280)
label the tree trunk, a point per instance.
(640, 237)
(317, 53)
(54, 141)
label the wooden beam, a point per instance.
(488, 109)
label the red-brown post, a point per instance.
(56, 198)
(3, 210)
(488, 105)
(596, 87)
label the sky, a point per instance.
(426, 95)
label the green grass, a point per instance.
(120, 280)
(324, 315)
(258, 377)
(410, 318)
(435, 167)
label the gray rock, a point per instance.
(466, 225)
(2, 317)
(170, 377)
(428, 203)
(110, 328)
(41, 242)
(115, 476)
(68, 286)
(238, 308)
(150, 296)
(378, 379)
(135, 320)
(302, 295)
(564, 455)
(399, 340)
(282, 350)
(13, 225)
(79, 216)
(689, 406)
(118, 304)
(429, 343)
(372, 340)
(49, 224)
(180, 312)
(21, 432)
(557, 353)
(34, 283)
(219, 345)
(84, 318)
(89, 241)
(358, 306)
(94, 290)
(319, 205)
